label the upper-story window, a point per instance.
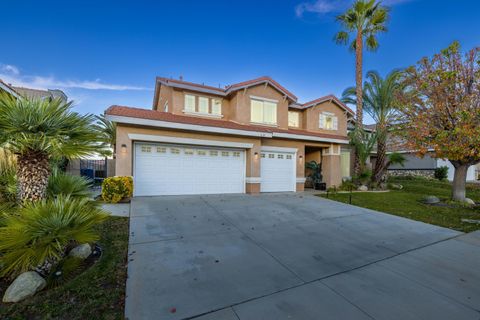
(203, 105)
(189, 103)
(293, 119)
(328, 121)
(263, 111)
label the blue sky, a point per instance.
(109, 52)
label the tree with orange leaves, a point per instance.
(441, 110)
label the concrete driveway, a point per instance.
(294, 256)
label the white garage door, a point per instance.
(174, 170)
(277, 171)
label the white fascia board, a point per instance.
(309, 138)
(257, 83)
(199, 142)
(263, 99)
(185, 126)
(278, 149)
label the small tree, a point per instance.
(442, 110)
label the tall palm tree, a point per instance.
(364, 20)
(380, 101)
(38, 131)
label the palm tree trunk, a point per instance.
(359, 93)
(33, 171)
(381, 163)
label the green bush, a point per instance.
(441, 173)
(347, 185)
(40, 231)
(8, 176)
(61, 183)
(115, 189)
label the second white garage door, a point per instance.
(277, 171)
(175, 170)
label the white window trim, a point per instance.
(278, 149)
(194, 102)
(263, 99)
(298, 119)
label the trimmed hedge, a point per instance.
(115, 189)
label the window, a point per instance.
(225, 153)
(146, 149)
(263, 112)
(271, 156)
(188, 152)
(289, 156)
(175, 151)
(213, 153)
(216, 106)
(280, 156)
(345, 163)
(202, 105)
(262, 155)
(328, 121)
(165, 106)
(161, 149)
(236, 154)
(189, 103)
(293, 119)
(202, 152)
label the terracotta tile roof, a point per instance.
(168, 117)
(167, 80)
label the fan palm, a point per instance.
(364, 20)
(380, 101)
(38, 131)
(107, 132)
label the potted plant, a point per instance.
(315, 175)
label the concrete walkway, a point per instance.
(294, 256)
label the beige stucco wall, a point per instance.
(331, 170)
(124, 161)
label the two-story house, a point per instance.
(248, 137)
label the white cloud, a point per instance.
(322, 7)
(11, 74)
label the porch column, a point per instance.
(331, 168)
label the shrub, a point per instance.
(61, 183)
(40, 231)
(347, 185)
(8, 176)
(115, 189)
(441, 173)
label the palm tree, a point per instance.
(364, 20)
(108, 132)
(38, 131)
(380, 101)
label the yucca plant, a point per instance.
(60, 183)
(37, 131)
(41, 231)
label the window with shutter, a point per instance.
(328, 121)
(321, 121)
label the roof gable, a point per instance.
(330, 98)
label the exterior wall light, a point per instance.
(256, 155)
(124, 148)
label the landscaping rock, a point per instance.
(431, 200)
(362, 188)
(25, 285)
(471, 221)
(469, 201)
(396, 186)
(82, 251)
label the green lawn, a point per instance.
(406, 203)
(98, 293)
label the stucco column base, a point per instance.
(331, 170)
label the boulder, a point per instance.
(431, 200)
(362, 188)
(469, 201)
(24, 286)
(82, 251)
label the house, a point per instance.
(251, 137)
(32, 93)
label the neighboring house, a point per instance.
(32, 93)
(252, 137)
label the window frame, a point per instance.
(297, 115)
(322, 121)
(187, 96)
(263, 111)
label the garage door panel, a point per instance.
(174, 170)
(277, 172)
